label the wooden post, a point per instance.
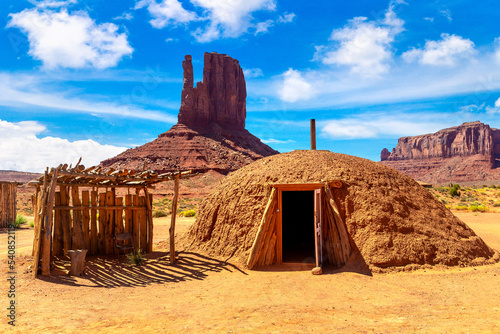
(57, 242)
(119, 215)
(135, 222)
(149, 204)
(48, 226)
(101, 249)
(93, 223)
(110, 223)
(128, 214)
(172, 222)
(86, 219)
(77, 235)
(65, 220)
(313, 134)
(40, 212)
(143, 224)
(279, 230)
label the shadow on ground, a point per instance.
(107, 272)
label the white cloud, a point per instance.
(294, 87)
(430, 19)
(447, 14)
(277, 141)
(383, 125)
(23, 149)
(252, 72)
(497, 103)
(74, 40)
(497, 49)
(262, 27)
(495, 109)
(445, 52)
(53, 3)
(167, 12)
(286, 18)
(363, 45)
(125, 16)
(28, 91)
(229, 18)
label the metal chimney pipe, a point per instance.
(313, 134)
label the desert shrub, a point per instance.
(32, 224)
(443, 189)
(443, 201)
(159, 213)
(135, 258)
(188, 213)
(496, 204)
(461, 206)
(454, 190)
(479, 208)
(20, 220)
(437, 195)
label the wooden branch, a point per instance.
(48, 228)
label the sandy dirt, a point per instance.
(206, 295)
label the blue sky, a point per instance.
(93, 77)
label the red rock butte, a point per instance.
(210, 133)
(469, 152)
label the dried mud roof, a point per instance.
(392, 220)
(97, 176)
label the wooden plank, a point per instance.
(128, 214)
(143, 226)
(77, 233)
(306, 186)
(65, 220)
(149, 204)
(93, 223)
(135, 222)
(110, 218)
(267, 246)
(57, 242)
(279, 229)
(47, 247)
(342, 229)
(38, 197)
(172, 222)
(101, 237)
(86, 218)
(119, 215)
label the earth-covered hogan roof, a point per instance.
(390, 218)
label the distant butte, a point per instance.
(465, 153)
(210, 133)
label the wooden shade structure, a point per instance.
(78, 208)
(8, 192)
(331, 236)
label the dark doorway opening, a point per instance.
(298, 226)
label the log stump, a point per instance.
(77, 257)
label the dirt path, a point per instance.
(202, 295)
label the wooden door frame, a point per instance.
(279, 221)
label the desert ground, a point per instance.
(206, 295)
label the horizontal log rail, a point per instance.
(113, 207)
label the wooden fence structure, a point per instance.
(8, 193)
(79, 208)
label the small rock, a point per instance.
(317, 271)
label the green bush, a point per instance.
(454, 190)
(20, 220)
(32, 224)
(135, 258)
(443, 189)
(188, 213)
(496, 204)
(159, 213)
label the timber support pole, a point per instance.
(172, 222)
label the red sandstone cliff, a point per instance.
(210, 133)
(469, 152)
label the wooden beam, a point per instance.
(172, 223)
(257, 243)
(342, 229)
(306, 186)
(48, 227)
(279, 230)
